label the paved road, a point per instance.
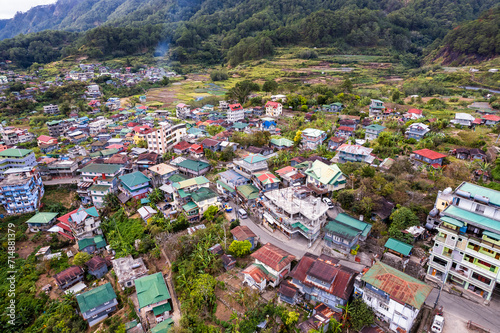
(487, 316)
(59, 181)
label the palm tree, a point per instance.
(335, 326)
(155, 195)
(346, 313)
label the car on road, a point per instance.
(228, 208)
(242, 214)
(437, 324)
(328, 202)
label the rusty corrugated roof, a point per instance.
(272, 256)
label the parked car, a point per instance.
(437, 324)
(328, 202)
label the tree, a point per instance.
(242, 89)
(111, 201)
(203, 292)
(165, 81)
(361, 315)
(395, 95)
(81, 258)
(347, 86)
(270, 86)
(402, 219)
(210, 213)
(298, 138)
(142, 144)
(240, 248)
(155, 196)
(227, 154)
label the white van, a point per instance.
(242, 214)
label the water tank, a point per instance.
(463, 193)
(434, 212)
(482, 198)
(447, 190)
(136, 266)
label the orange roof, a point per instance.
(255, 273)
(272, 256)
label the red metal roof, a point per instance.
(183, 145)
(346, 128)
(272, 256)
(242, 233)
(491, 117)
(430, 154)
(415, 111)
(255, 273)
(274, 105)
(235, 107)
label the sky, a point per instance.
(9, 8)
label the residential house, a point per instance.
(335, 142)
(463, 119)
(153, 296)
(250, 165)
(80, 223)
(334, 107)
(274, 109)
(127, 269)
(353, 153)
(69, 277)
(204, 197)
(96, 126)
(417, 131)
(376, 109)
(97, 266)
(247, 194)
(413, 114)
(270, 267)
(491, 119)
(46, 140)
(427, 156)
(161, 173)
(323, 178)
(193, 168)
(96, 304)
(235, 113)
(63, 168)
(97, 181)
(294, 211)
(41, 221)
(395, 297)
(242, 233)
(477, 154)
(16, 159)
(288, 293)
(312, 138)
(278, 98)
(51, 109)
(266, 181)
(465, 251)
(213, 145)
(135, 185)
(21, 190)
(398, 248)
(92, 245)
(146, 160)
(344, 132)
(182, 111)
(146, 212)
(372, 131)
(228, 261)
(323, 279)
(181, 148)
(229, 180)
(163, 138)
(281, 143)
(344, 232)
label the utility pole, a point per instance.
(441, 288)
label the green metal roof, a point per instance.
(134, 179)
(95, 297)
(189, 206)
(249, 191)
(193, 165)
(399, 247)
(282, 142)
(400, 286)
(491, 235)
(13, 152)
(98, 241)
(175, 178)
(164, 326)
(473, 189)
(43, 218)
(162, 308)
(225, 186)
(341, 229)
(203, 194)
(101, 168)
(145, 201)
(375, 127)
(313, 132)
(201, 180)
(254, 158)
(470, 217)
(324, 173)
(301, 226)
(452, 221)
(99, 188)
(151, 289)
(109, 152)
(354, 223)
(240, 125)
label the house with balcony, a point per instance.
(96, 304)
(353, 153)
(312, 138)
(193, 168)
(235, 113)
(274, 109)
(97, 266)
(322, 278)
(135, 185)
(58, 128)
(344, 132)
(270, 267)
(417, 131)
(463, 119)
(184, 188)
(92, 244)
(428, 157)
(229, 180)
(160, 173)
(182, 111)
(204, 198)
(96, 181)
(21, 190)
(153, 297)
(295, 212)
(394, 296)
(250, 165)
(466, 249)
(377, 109)
(69, 277)
(344, 233)
(334, 107)
(373, 131)
(323, 178)
(16, 158)
(41, 221)
(335, 142)
(266, 181)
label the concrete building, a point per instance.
(41, 221)
(274, 109)
(235, 113)
(323, 178)
(395, 297)
(428, 157)
(376, 109)
(294, 211)
(135, 185)
(417, 131)
(372, 131)
(465, 251)
(353, 153)
(96, 304)
(13, 136)
(16, 158)
(21, 190)
(58, 128)
(182, 111)
(153, 296)
(250, 165)
(51, 109)
(95, 127)
(344, 232)
(127, 269)
(97, 181)
(312, 138)
(165, 137)
(69, 277)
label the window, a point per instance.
(481, 278)
(479, 209)
(369, 298)
(384, 306)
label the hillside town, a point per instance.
(381, 218)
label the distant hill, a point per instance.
(217, 31)
(473, 41)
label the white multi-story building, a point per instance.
(16, 158)
(13, 136)
(466, 251)
(97, 181)
(51, 109)
(274, 109)
(164, 137)
(235, 112)
(96, 126)
(394, 296)
(182, 111)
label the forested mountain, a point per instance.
(215, 31)
(474, 40)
